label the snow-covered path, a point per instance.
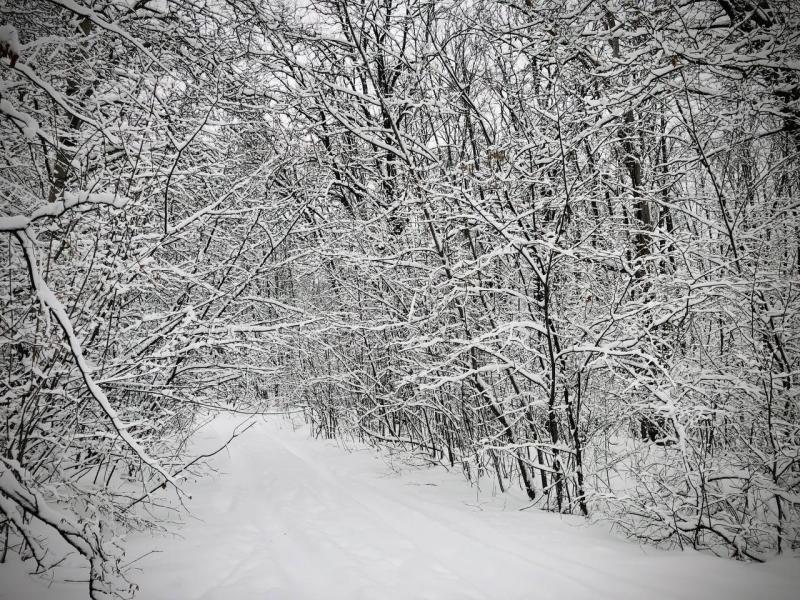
(291, 518)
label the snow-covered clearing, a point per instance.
(289, 517)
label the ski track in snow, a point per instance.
(292, 518)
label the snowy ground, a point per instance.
(291, 518)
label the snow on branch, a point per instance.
(56, 209)
(30, 127)
(61, 100)
(88, 13)
(11, 488)
(49, 299)
(17, 501)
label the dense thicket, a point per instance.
(555, 244)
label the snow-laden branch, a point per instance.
(88, 13)
(49, 299)
(30, 127)
(12, 489)
(18, 502)
(61, 100)
(56, 209)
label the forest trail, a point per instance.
(287, 517)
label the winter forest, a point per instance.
(550, 245)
